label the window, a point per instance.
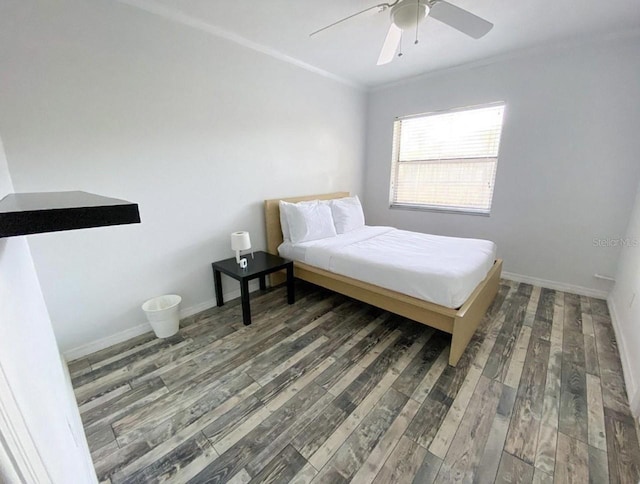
(446, 161)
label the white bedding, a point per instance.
(442, 270)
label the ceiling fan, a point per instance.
(408, 14)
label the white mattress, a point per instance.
(442, 270)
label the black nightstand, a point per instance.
(258, 267)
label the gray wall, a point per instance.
(568, 166)
(103, 97)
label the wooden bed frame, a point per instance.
(460, 323)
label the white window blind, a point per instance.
(447, 161)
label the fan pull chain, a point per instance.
(401, 35)
(417, 21)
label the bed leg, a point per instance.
(465, 325)
(459, 340)
(277, 278)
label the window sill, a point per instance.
(431, 208)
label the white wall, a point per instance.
(45, 410)
(102, 97)
(625, 306)
(568, 166)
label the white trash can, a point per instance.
(163, 313)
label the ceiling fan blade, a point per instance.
(460, 19)
(380, 7)
(390, 46)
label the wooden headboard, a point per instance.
(272, 216)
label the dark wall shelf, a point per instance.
(35, 213)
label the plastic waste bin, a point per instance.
(163, 313)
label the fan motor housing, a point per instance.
(408, 13)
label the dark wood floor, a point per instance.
(331, 390)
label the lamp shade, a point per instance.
(240, 241)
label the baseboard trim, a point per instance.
(209, 303)
(630, 379)
(102, 343)
(141, 328)
(558, 286)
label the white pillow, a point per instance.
(284, 221)
(347, 214)
(308, 221)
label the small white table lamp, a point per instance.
(240, 241)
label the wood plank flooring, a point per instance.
(330, 390)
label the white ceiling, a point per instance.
(350, 50)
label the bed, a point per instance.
(461, 322)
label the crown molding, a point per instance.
(552, 47)
(175, 15)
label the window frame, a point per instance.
(395, 152)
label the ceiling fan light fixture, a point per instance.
(406, 15)
(409, 13)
